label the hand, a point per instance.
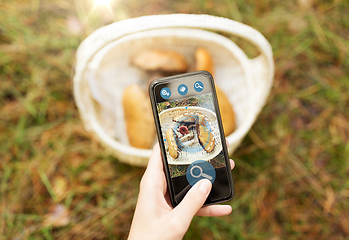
(154, 216)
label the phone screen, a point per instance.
(191, 134)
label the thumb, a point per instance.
(194, 200)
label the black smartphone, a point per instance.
(191, 137)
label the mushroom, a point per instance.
(171, 141)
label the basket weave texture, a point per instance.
(103, 70)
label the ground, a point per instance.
(292, 168)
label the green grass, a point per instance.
(292, 168)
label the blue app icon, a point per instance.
(200, 169)
(182, 89)
(165, 93)
(198, 86)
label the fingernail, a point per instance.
(205, 186)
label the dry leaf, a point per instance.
(57, 217)
(103, 170)
(60, 187)
(296, 25)
(306, 4)
(75, 160)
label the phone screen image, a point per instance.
(192, 137)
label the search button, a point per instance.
(201, 173)
(198, 170)
(198, 86)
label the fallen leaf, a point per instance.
(306, 4)
(297, 24)
(60, 187)
(57, 217)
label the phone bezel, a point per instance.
(152, 96)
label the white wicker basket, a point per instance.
(103, 69)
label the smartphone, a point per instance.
(190, 134)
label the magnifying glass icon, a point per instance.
(197, 85)
(200, 174)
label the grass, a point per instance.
(291, 169)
